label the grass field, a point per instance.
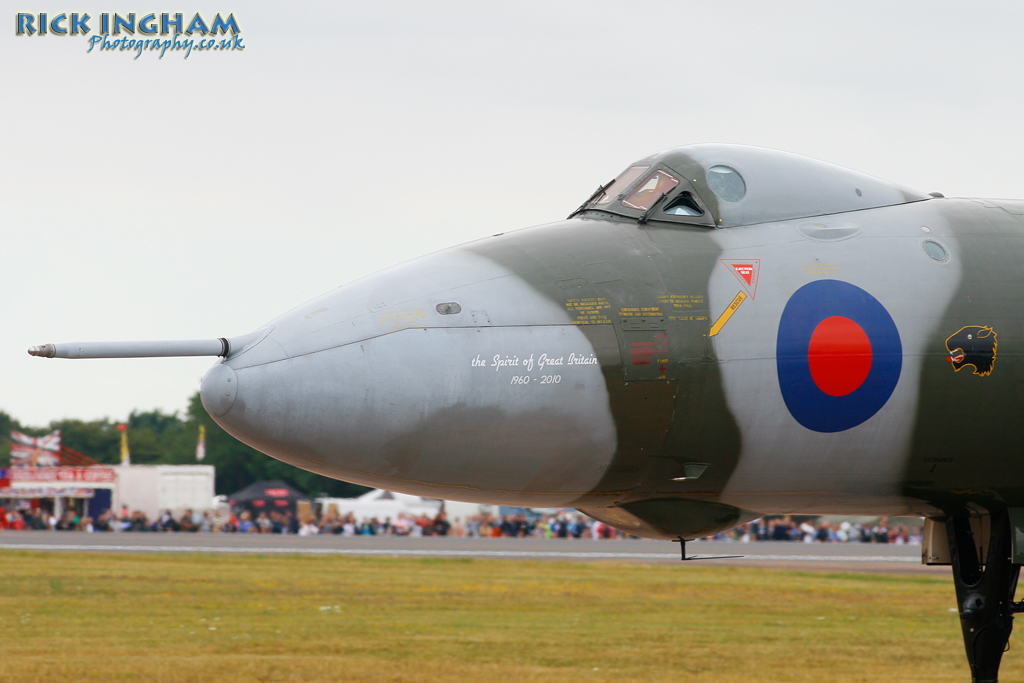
(169, 618)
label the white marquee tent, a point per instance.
(383, 504)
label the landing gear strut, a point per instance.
(984, 592)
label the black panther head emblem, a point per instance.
(975, 346)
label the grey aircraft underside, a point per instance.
(720, 333)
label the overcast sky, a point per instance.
(191, 198)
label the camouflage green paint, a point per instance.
(664, 419)
(968, 439)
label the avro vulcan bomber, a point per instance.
(718, 334)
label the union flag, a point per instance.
(35, 451)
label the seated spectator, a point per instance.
(402, 526)
(102, 522)
(440, 525)
(17, 523)
(67, 522)
(880, 534)
(420, 526)
(309, 528)
(139, 521)
(168, 523)
(186, 523)
(245, 524)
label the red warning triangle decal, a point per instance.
(746, 271)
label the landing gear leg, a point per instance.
(984, 592)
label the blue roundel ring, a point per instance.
(809, 405)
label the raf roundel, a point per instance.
(839, 355)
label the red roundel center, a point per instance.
(839, 356)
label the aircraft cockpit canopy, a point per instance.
(715, 185)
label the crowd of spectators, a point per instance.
(565, 524)
(786, 529)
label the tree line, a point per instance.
(156, 438)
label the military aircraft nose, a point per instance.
(447, 376)
(218, 389)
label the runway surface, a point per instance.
(801, 556)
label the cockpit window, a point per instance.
(621, 183)
(684, 205)
(648, 192)
(733, 185)
(726, 183)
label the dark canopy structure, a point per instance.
(267, 496)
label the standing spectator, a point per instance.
(563, 526)
(543, 527)
(782, 530)
(578, 525)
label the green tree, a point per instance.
(7, 425)
(98, 439)
(156, 438)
